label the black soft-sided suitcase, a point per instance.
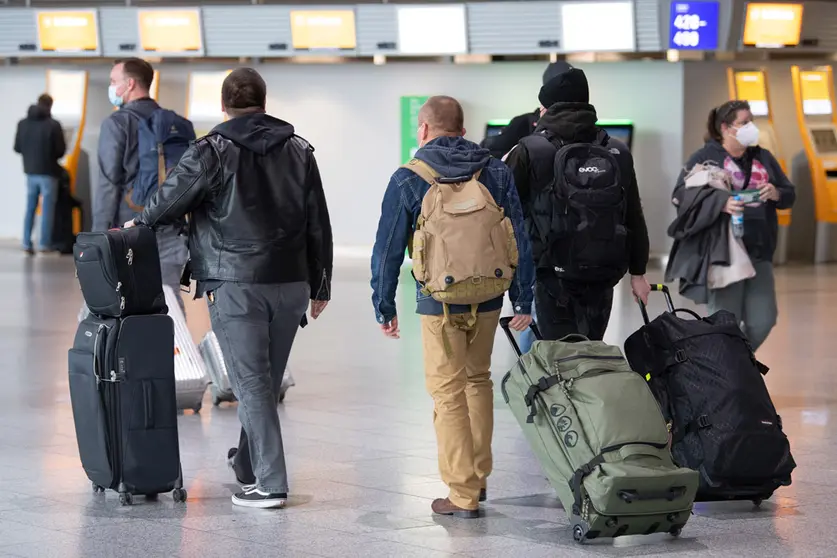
(63, 235)
(119, 272)
(122, 390)
(710, 387)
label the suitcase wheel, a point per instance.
(97, 489)
(125, 498)
(179, 495)
(675, 531)
(579, 534)
(197, 408)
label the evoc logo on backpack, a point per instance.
(591, 169)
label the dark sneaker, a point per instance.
(443, 506)
(255, 498)
(483, 495)
(29, 251)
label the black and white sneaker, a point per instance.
(252, 497)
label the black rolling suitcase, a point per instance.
(119, 272)
(63, 235)
(122, 389)
(709, 384)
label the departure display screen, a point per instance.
(772, 25)
(694, 26)
(432, 30)
(321, 29)
(68, 31)
(170, 31)
(824, 140)
(613, 21)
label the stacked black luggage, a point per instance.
(122, 381)
(710, 387)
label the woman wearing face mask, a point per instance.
(755, 174)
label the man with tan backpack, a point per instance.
(456, 209)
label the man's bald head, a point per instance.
(440, 116)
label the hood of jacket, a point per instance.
(571, 122)
(37, 112)
(259, 132)
(454, 156)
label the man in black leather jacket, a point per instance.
(260, 244)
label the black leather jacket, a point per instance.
(258, 211)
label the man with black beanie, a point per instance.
(520, 126)
(586, 224)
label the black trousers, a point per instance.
(566, 308)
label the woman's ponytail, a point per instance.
(712, 132)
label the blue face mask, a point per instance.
(115, 99)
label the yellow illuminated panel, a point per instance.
(323, 29)
(750, 87)
(170, 30)
(816, 95)
(773, 25)
(66, 31)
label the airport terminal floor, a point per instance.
(361, 448)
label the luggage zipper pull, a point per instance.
(130, 256)
(121, 298)
(113, 375)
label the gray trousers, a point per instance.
(752, 301)
(256, 325)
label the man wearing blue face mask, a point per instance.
(126, 180)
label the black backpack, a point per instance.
(580, 215)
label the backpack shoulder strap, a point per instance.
(423, 170)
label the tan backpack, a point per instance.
(464, 250)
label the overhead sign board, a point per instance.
(165, 31)
(772, 25)
(68, 31)
(432, 30)
(320, 29)
(598, 27)
(693, 26)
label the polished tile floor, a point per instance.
(361, 447)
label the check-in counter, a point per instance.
(751, 86)
(68, 89)
(815, 169)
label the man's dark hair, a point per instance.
(244, 91)
(45, 101)
(138, 70)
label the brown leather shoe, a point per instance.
(483, 495)
(444, 506)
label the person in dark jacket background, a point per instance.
(261, 247)
(520, 126)
(40, 140)
(731, 143)
(563, 306)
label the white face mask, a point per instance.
(748, 134)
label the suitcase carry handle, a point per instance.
(659, 287)
(672, 494)
(504, 323)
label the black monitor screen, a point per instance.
(621, 132)
(825, 141)
(493, 130)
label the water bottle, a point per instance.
(738, 222)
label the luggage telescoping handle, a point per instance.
(504, 323)
(660, 288)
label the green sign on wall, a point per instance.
(409, 123)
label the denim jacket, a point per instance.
(450, 157)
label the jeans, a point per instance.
(753, 302)
(528, 336)
(40, 185)
(457, 365)
(256, 325)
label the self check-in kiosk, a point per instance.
(751, 86)
(622, 130)
(68, 89)
(817, 188)
(203, 100)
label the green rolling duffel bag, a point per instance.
(600, 437)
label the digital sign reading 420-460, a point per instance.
(694, 26)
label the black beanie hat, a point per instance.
(563, 84)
